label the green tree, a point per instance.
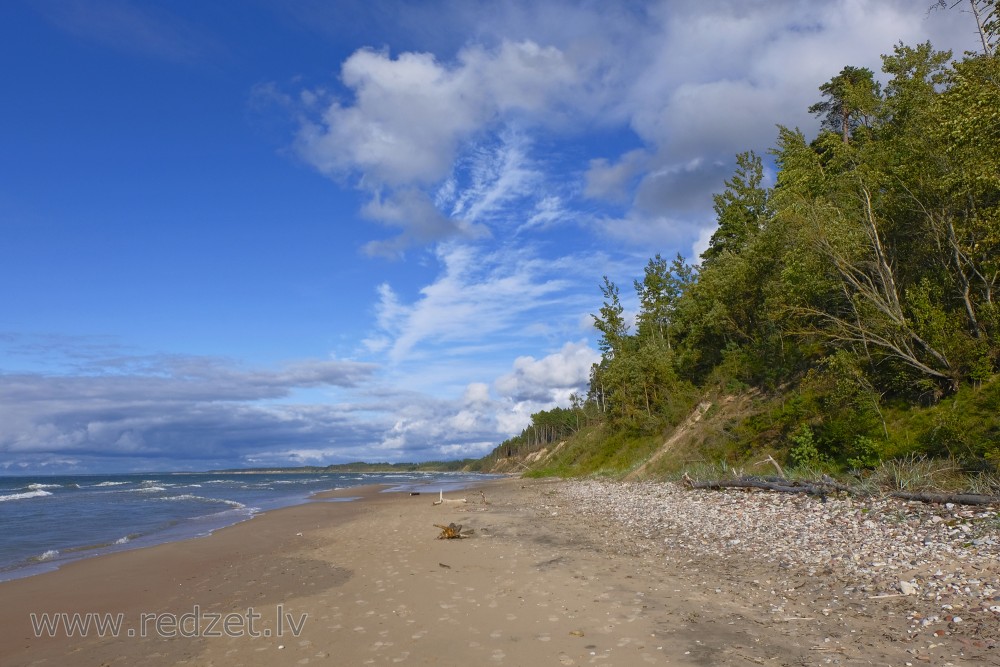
(852, 100)
(741, 210)
(611, 322)
(661, 286)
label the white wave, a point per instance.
(122, 540)
(23, 496)
(189, 496)
(111, 484)
(149, 489)
(48, 555)
(36, 487)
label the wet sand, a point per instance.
(368, 582)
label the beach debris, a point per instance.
(414, 493)
(445, 566)
(485, 502)
(452, 532)
(449, 501)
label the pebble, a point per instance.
(943, 556)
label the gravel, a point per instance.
(943, 559)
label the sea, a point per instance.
(48, 521)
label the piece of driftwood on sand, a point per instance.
(452, 531)
(448, 501)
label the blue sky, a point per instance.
(264, 233)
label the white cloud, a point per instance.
(185, 408)
(497, 174)
(549, 379)
(410, 119)
(477, 297)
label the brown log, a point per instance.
(941, 498)
(826, 485)
(782, 487)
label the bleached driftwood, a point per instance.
(448, 501)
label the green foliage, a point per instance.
(610, 322)
(742, 210)
(804, 452)
(865, 453)
(859, 294)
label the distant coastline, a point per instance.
(356, 467)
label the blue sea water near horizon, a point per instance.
(46, 521)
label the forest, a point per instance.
(852, 306)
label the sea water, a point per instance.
(47, 521)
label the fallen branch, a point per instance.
(941, 498)
(780, 485)
(770, 459)
(827, 485)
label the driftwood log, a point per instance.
(826, 485)
(957, 498)
(769, 483)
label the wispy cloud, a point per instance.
(480, 298)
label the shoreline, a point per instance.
(143, 580)
(59, 553)
(554, 572)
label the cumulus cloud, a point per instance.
(552, 378)
(714, 78)
(411, 116)
(694, 85)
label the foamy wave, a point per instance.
(111, 484)
(23, 496)
(122, 540)
(189, 496)
(48, 555)
(36, 487)
(149, 489)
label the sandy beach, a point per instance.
(367, 582)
